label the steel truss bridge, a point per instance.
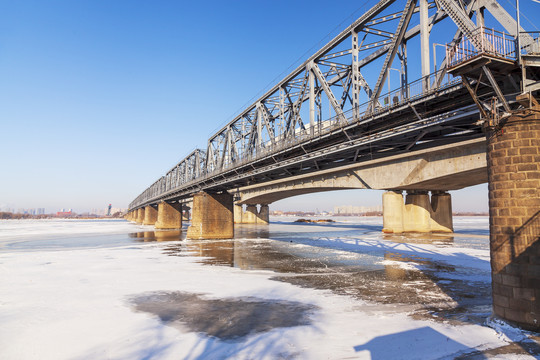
(333, 110)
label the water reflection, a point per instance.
(157, 235)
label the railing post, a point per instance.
(504, 44)
(482, 40)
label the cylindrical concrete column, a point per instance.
(169, 216)
(150, 215)
(392, 212)
(441, 212)
(250, 216)
(238, 214)
(417, 214)
(263, 217)
(185, 214)
(140, 216)
(513, 158)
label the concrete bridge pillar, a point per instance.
(150, 215)
(140, 216)
(513, 156)
(441, 212)
(212, 216)
(418, 214)
(250, 216)
(238, 214)
(169, 216)
(263, 217)
(393, 212)
(185, 213)
(417, 217)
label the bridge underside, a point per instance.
(448, 167)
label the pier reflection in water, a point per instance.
(317, 257)
(157, 235)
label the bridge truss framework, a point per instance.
(286, 132)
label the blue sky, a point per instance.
(100, 98)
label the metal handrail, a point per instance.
(492, 42)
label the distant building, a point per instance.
(355, 210)
(64, 213)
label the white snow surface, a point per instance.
(73, 304)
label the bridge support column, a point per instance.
(150, 215)
(185, 213)
(140, 216)
(417, 217)
(418, 214)
(238, 214)
(263, 217)
(392, 212)
(169, 216)
(441, 212)
(250, 216)
(212, 216)
(513, 155)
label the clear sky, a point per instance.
(100, 98)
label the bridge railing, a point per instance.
(492, 42)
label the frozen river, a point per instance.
(74, 289)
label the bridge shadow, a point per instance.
(335, 225)
(413, 344)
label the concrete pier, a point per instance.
(263, 217)
(169, 216)
(392, 212)
(212, 216)
(251, 215)
(140, 216)
(513, 156)
(418, 213)
(441, 212)
(185, 213)
(238, 214)
(150, 215)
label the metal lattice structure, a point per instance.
(332, 109)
